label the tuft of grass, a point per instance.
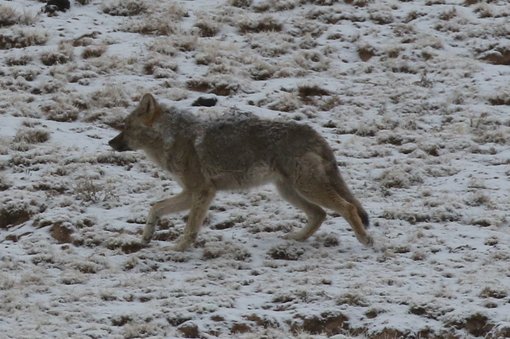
(358, 3)
(4, 183)
(14, 213)
(160, 20)
(152, 26)
(366, 52)
(32, 135)
(164, 45)
(353, 299)
(287, 102)
(381, 17)
(160, 68)
(275, 5)
(89, 190)
(498, 56)
(54, 58)
(307, 91)
(489, 292)
(312, 61)
(261, 71)
(124, 7)
(265, 24)
(399, 178)
(484, 11)
(93, 51)
(448, 14)
(218, 86)
(110, 96)
(22, 37)
(240, 3)
(286, 252)
(207, 28)
(10, 17)
(22, 60)
(63, 55)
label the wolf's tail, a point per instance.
(342, 189)
(362, 214)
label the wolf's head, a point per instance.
(138, 128)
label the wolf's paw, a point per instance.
(182, 245)
(368, 241)
(298, 236)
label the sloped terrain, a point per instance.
(414, 98)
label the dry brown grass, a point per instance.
(62, 55)
(151, 26)
(22, 37)
(93, 51)
(218, 86)
(21, 60)
(12, 214)
(207, 27)
(160, 68)
(307, 91)
(9, 17)
(366, 52)
(32, 135)
(124, 7)
(498, 56)
(265, 24)
(240, 3)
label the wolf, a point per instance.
(238, 152)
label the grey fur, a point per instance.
(236, 153)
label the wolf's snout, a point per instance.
(119, 144)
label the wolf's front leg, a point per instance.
(200, 202)
(180, 202)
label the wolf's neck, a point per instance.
(177, 125)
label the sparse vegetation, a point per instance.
(22, 37)
(265, 24)
(9, 17)
(152, 26)
(241, 3)
(216, 86)
(207, 27)
(366, 52)
(22, 60)
(93, 51)
(124, 8)
(32, 135)
(306, 91)
(110, 96)
(399, 178)
(62, 55)
(411, 96)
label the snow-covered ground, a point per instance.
(414, 97)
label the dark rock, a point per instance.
(53, 6)
(206, 102)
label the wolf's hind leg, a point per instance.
(314, 213)
(180, 202)
(314, 183)
(327, 197)
(200, 202)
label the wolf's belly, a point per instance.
(232, 179)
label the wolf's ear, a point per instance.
(150, 109)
